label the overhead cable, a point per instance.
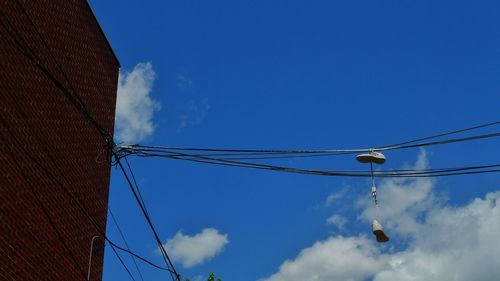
(73, 198)
(125, 241)
(21, 45)
(317, 152)
(348, 173)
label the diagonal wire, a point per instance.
(125, 241)
(123, 263)
(44, 209)
(88, 116)
(173, 272)
(79, 204)
(136, 185)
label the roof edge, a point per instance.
(103, 34)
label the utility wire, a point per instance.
(15, 35)
(350, 173)
(136, 186)
(66, 191)
(46, 212)
(485, 136)
(448, 133)
(142, 205)
(245, 152)
(42, 38)
(44, 209)
(172, 272)
(106, 135)
(125, 241)
(24, 48)
(123, 263)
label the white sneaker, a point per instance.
(371, 157)
(378, 230)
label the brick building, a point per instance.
(53, 161)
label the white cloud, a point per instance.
(335, 196)
(196, 249)
(337, 258)
(443, 242)
(337, 220)
(453, 243)
(134, 106)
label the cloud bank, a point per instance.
(134, 106)
(442, 242)
(196, 249)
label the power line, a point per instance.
(223, 153)
(15, 35)
(78, 203)
(24, 49)
(136, 186)
(193, 157)
(44, 210)
(448, 133)
(348, 173)
(123, 264)
(39, 33)
(150, 223)
(484, 136)
(125, 241)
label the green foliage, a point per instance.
(211, 277)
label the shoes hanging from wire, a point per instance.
(377, 158)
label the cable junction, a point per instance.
(73, 97)
(229, 157)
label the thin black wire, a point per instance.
(326, 154)
(44, 209)
(24, 48)
(108, 139)
(244, 152)
(106, 134)
(413, 173)
(447, 174)
(138, 197)
(225, 155)
(90, 117)
(137, 194)
(83, 110)
(59, 235)
(136, 185)
(79, 204)
(150, 223)
(447, 133)
(125, 241)
(114, 245)
(42, 38)
(137, 256)
(484, 136)
(123, 263)
(175, 155)
(169, 154)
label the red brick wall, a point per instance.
(47, 145)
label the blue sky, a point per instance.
(307, 75)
